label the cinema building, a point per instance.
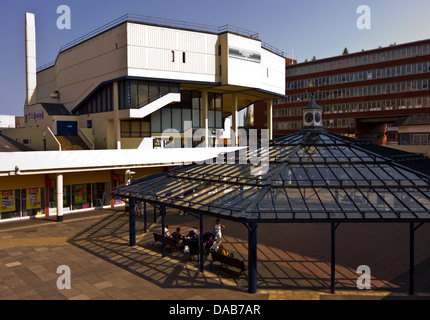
(132, 97)
(363, 94)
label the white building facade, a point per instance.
(126, 93)
(136, 78)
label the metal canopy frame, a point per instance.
(309, 177)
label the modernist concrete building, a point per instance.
(138, 76)
(121, 92)
(362, 93)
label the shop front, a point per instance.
(35, 195)
(19, 203)
(81, 191)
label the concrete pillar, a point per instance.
(235, 121)
(116, 120)
(270, 118)
(60, 187)
(205, 117)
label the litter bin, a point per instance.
(194, 248)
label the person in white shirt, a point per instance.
(167, 232)
(218, 227)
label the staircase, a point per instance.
(72, 143)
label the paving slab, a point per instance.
(293, 261)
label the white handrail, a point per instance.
(86, 139)
(55, 138)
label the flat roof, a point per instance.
(167, 23)
(364, 52)
(45, 162)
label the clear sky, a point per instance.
(321, 28)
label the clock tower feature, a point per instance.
(312, 115)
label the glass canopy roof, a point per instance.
(311, 176)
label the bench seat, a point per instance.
(229, 261)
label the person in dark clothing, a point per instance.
(179, 238)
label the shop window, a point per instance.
(101, 194)
(33, 201)
(10, 204)
(52, 196)
(81, 196)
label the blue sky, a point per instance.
(321, 28)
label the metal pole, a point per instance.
(252, 257)
(155, 214)
(201, 253)
(411, 258)
(145, 223)
(163, 225)
(333, 258)
(132, 222)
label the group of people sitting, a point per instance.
(214, 242)
(184, 241)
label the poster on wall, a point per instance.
(81, 193)
(33, 198)
(7, 201)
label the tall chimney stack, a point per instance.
(30, 57)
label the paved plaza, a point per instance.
(293, 260)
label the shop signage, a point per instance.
(81, 193)
(7, 201)
(244, 54)
(33, 198)
(37, 115)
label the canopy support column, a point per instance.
(252, 257)
(412, 230)
(145, 222)
(333, 257)
(163, 227)
(201, 251)
(132, 221)
(411, 258)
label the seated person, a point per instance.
(192, 234)
(166, 231)
(178, 236)
(224, 252)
